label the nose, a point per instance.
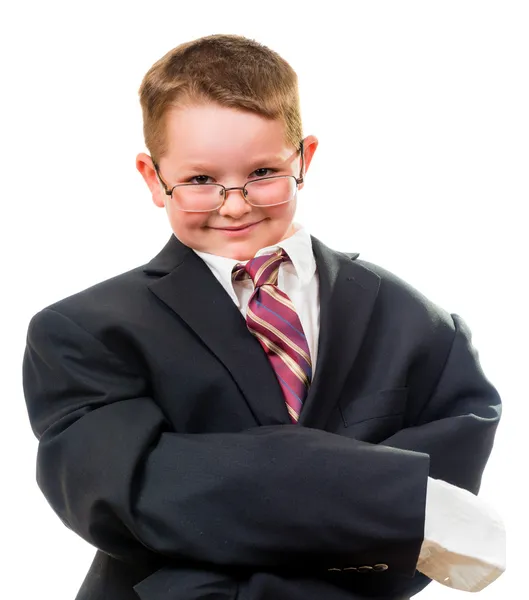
(234, 204)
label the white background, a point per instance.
(421, 109)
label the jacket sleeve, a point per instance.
(457, 426)
(197, 584)
(116, 473)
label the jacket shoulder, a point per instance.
(403, 300)
(112, 298)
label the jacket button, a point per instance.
(350, 569)
(364, 569)
(380, 567)
(333, 569)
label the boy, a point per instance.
(252, 414)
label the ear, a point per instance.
(310, 143)
(146, 168)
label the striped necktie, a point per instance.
(272, 319)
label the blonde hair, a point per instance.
(229, 70)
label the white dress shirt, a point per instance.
(299, 280)
(464, 539)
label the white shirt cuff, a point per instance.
(464, 543)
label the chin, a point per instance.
(247, 252)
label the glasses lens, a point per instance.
(260, 192)
(271, 191)
(199, 197)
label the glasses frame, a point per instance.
(169, 192)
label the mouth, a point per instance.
(241, 228)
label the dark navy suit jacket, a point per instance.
(164, 439)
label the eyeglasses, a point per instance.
(206, 197)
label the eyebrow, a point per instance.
(258, 161)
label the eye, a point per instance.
(190, 180)
(199, 179)
(265, 174)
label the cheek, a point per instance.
(282, 213)
(188, 221)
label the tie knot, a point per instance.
(261, 269)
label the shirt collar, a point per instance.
(298, 246)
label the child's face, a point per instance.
(229, 145)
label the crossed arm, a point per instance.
(114, 472)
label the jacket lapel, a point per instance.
(187, 286)
(347, 295)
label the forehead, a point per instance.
(214, 135)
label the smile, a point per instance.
(237, 231)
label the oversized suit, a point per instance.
(164, 438)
